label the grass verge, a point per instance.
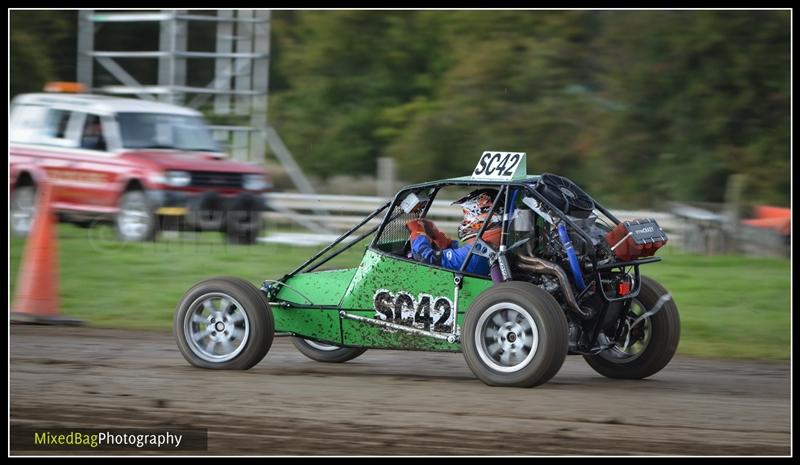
(730, 307)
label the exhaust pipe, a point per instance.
(539, 265)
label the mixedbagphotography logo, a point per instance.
(87, 439)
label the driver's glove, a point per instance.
(416, 228)
(439, 238)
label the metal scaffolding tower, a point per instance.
(241, 72)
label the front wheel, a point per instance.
(515, 334)
(647, 347)
(326, 353)
(135, 220)
(224, 323)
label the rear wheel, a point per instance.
(206, 212)
(84, 224)
(243, 236)
(326, 353)
(647, 347)
(515, 334)
(22, 209)
(224, 323)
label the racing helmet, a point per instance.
(476, 207)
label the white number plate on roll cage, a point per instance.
(501, 166)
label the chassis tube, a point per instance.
(451, 338)
(338, 240)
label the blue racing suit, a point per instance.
(452, 257)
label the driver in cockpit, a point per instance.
(430, 245)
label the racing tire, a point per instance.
(243, 236)
(224, 323)
(206, 212)
(244, 220)
(22, 210)
(326, 353)
(84, 224)
(136, 221)
(515, 334)
(661, 334)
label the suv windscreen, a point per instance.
(165, 131)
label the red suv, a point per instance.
(133, 162)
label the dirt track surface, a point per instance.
(391, 402)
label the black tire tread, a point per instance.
(553, 335)
(663, 343)
(340, 355)
(261, 321)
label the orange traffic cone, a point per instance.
(36, 297)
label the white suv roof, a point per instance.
(101, 104)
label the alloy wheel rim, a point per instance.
(625, 353)
(216, 327)
(321, 346)
(507, 337)
(23, 210)
(133, 218)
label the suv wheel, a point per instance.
(23, 210)
(135, 221)
(244, 220)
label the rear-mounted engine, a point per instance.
(634, 239)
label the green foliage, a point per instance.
(707, 95)
(42, 48)
(637, 106)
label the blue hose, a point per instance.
(512, 203)
(573, 258)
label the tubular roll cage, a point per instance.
(528, 186)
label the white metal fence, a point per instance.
(345, 211)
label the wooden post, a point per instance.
(732, 210)
(386, 177)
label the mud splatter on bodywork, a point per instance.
(354, 290)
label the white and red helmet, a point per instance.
(476, 207)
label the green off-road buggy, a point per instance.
(564, 280)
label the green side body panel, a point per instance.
(317, 288)
(306, 293)
(383, 281)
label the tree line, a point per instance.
(636, 106)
